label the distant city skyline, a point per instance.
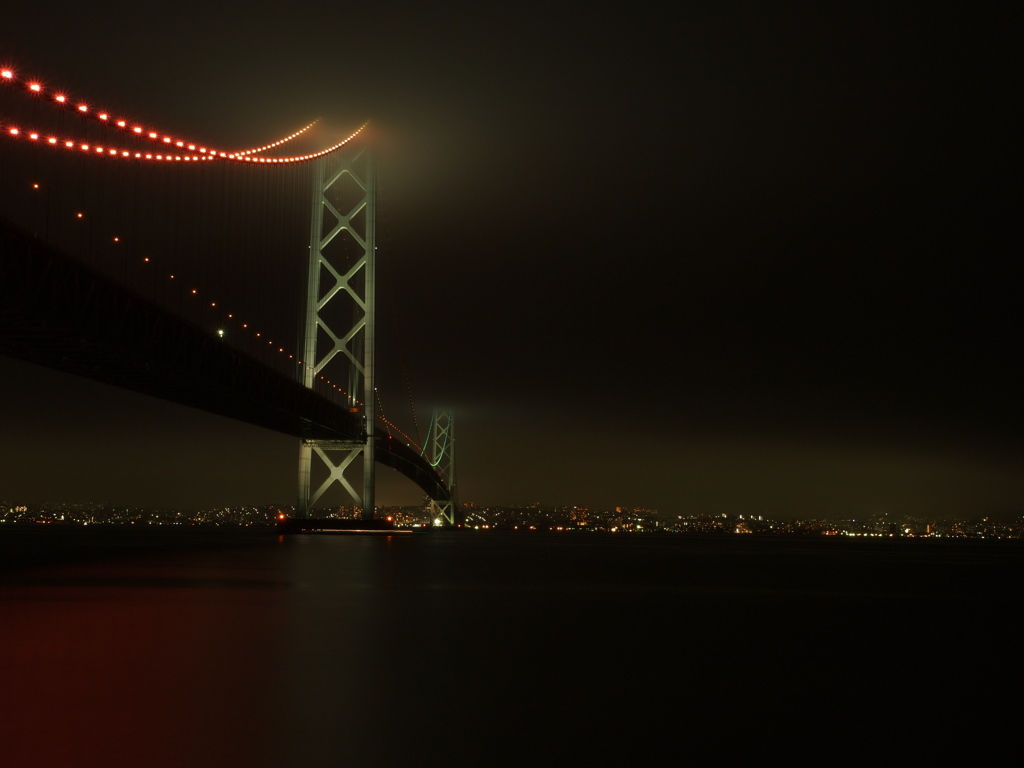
(530, 517)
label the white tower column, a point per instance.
(339, 323)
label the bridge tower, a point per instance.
(440, 451)
(339, 318)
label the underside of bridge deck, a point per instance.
(56, 312)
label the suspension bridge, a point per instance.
(239, 281)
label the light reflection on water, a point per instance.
(465, 649)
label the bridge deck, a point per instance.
(59, 313)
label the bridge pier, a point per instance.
(327, 452)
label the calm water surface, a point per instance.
(223, 649)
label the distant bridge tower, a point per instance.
(340, 317)
(440, 451)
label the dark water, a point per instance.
(203, 649)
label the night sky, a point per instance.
(722, 257)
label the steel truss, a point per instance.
(342, 249)
(440, 451)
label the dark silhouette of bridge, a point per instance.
(59, 310)
(59, 313)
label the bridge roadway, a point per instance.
(59, 313)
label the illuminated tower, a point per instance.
(440, 450)
(339, 328)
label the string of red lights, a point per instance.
(279, 142)
(391, 425)
(61, 99)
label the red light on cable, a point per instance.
(6, 74)
(35, 87)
